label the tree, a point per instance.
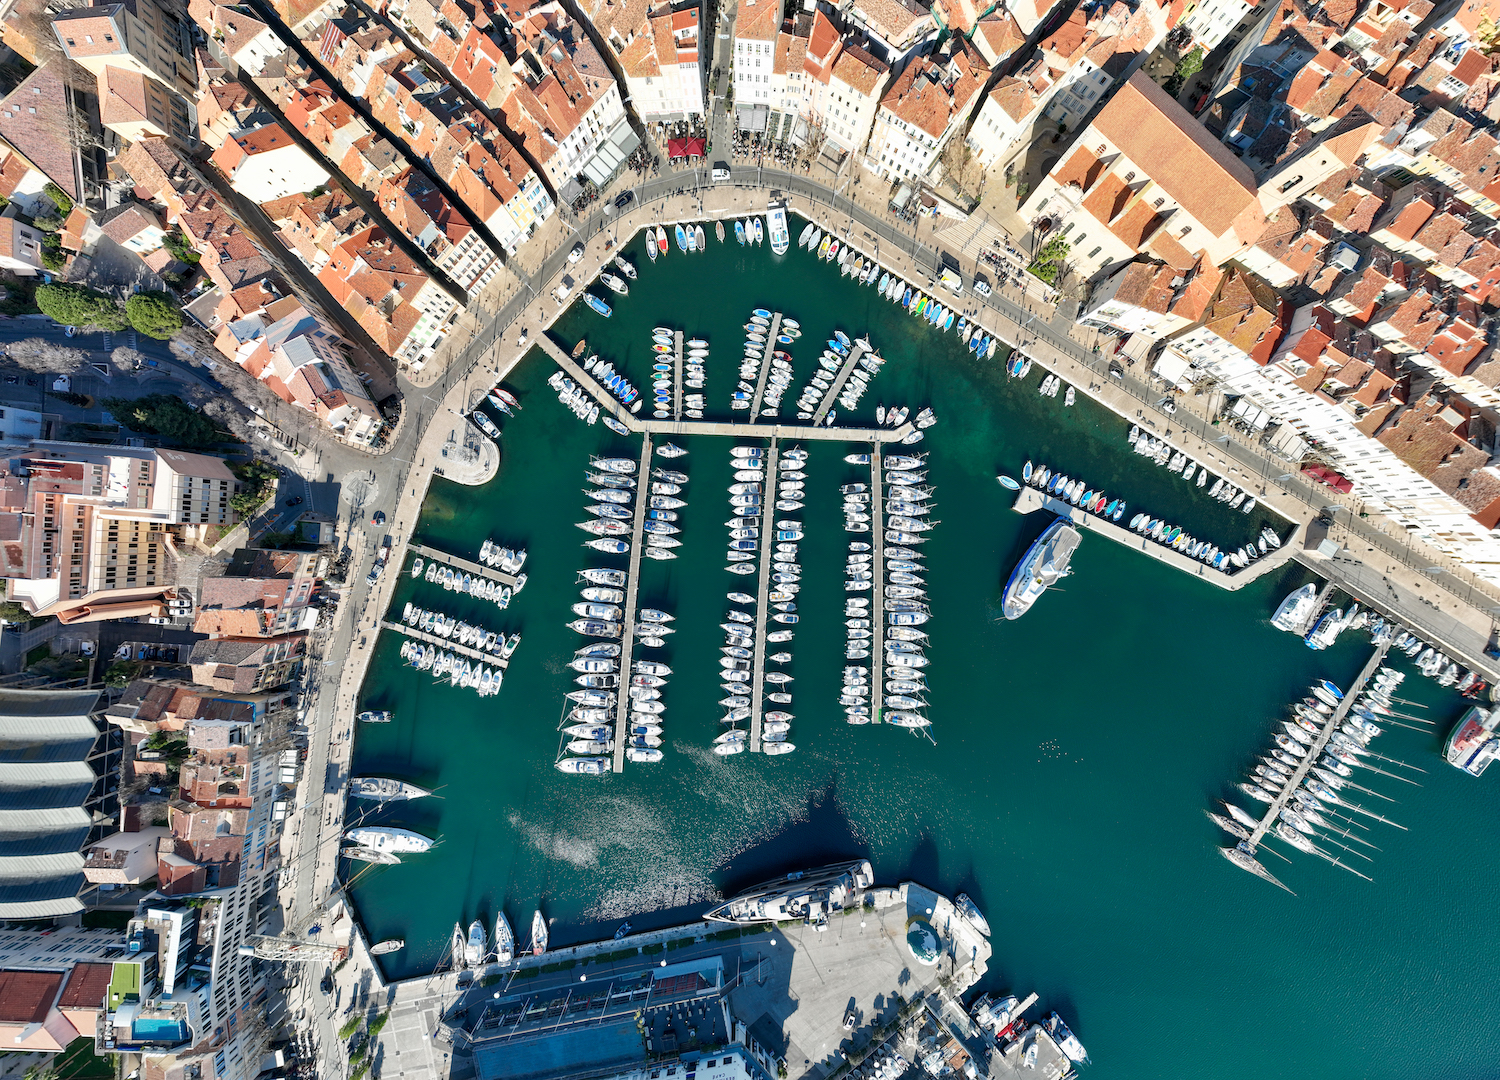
(1190, 64)
(154, 314)
(60, 198)
(167, 416)
(76, 305)
(1048, 261)
(127, 359)
(962, 168)
(38, 354)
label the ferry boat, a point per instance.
(776, 223)
(1474, 744)
(805, 895)
(1295, 609)
(384, 789)
(1043, 566)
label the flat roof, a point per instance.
(586, 1049)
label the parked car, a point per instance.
(981, 286)
(576, 253)
(624, 199)
(295, 500)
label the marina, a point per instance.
(468, 566)
(632, 602)
(763, 604)
(445, 644)
(856, 353)
(673, 836)
(758, 399)
(877, 607)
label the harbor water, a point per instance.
(1075, 749)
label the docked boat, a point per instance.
(597, 304)
(394, 841)
(477, 946)
(538, 933)
(1042, 566)
(1296, 608)
(375, 716)
(387, 946)
(1474, 743)
(809, 896)
(969, 910)
(505, 941)
(777, 226)
(384, 789)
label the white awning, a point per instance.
(1174, 368)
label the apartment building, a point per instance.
(265, 163)
(125, 43)
(924, 108)
(657, 49)
(248, 665)
(89, 533)
(756, 25)
(402, 309)
(264, 596)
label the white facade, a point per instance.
(1075, 94)
(436, 306)
(994, 132)
(754, 72)
(274, 173)
(1212, 20)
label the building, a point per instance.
(266, 164)
(266, 595)
(657, 49)
(922, 110)
(141, 54)
(402, 309)
(1211, 21)
(1145, 176)
(58, 767)
(756, 25)
(246, 665)
(20, 244)
(87, 533)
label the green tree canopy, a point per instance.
(167, 416)
(75, 305)
(154, 314)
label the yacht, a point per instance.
(477, 946)
(384, 789)
(809, 895)
(1043, 565)
(1473, 743)
(538, 933)
(1296, 608)
(394, 841)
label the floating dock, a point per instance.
(632, 598)
(1317, 609)
(856, 352)
(765, 367)
(446, 644)
(877, 602)
(1305, 763)
(466, 565)
(677, 375)
(1029, 500)
(762, 598)
(610, 404)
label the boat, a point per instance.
(700, 241)
(1473, 743)
(538, 934)
(1045, 563)
(477, 947)
(682, 238)
(1295, 609)
(458, 944)
(625, 267)
(597, 304)
(809, 896)
(505, 941)
(969, 910)
(661, 239)
(776, 225)
(739, 233)
(384, 789)
(393, 841)
(387, 946)
(719, 230)
(760, 233)
(375, 716)
(615, 284)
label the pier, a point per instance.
(877, 601)
(466, 565)
(856, 352)
(446, 644)
(762, 597)
(765, 367)
(632, 598)
(1317, 609)
(611, 405)
(1029, 500)
(677, 375)
(1311, 758)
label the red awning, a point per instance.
(677, 147)
(697, 147)
(1327, 476)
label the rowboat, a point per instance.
(682, 240)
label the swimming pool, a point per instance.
(158, 1029)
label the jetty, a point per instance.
(762, 601)
(632, 598)
(1307, 762)
(446, 644)
(877, 601)
(1029, 500)
(609, 403)
(855, 355)
(1317, 609)
(765, 366)
(677, 375)
(466, 565)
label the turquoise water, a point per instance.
(1076, 749)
